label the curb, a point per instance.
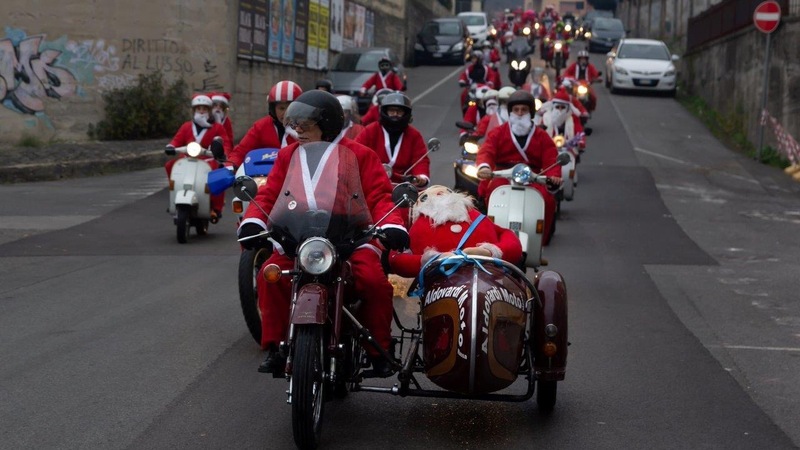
(57, 170)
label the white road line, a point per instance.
(751, 347)
(441, 82)
(668, 158)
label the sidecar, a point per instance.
(482, 325)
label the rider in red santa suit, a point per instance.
(317, 116)
(220, 108)
(518, 141)
(474, 74)
(201, 130)
(560, 117)
(384, 78)
(374, 111)
(440, 219)
(582, 69)
(498, 116)
(268, 132)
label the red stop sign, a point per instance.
(767, 16)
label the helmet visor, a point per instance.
(301, 115)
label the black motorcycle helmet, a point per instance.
(324, 84)
(320, 107)
(521, 97)
(396, 99)
(385, 64)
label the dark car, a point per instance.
(352, 67)
(443, 40)
(606, 33)
(585, 24)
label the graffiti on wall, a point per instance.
(30, 73)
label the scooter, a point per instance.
(464, 168)
(521, 208)
(189, 195)
(569, 173)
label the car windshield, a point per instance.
(607, 24)
(357, 62)
(473, 20)
(643, 51)
(442, 29)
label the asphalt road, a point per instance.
(680, 257)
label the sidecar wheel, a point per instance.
(546, 395)
(183, 224)
(250, 263)
(308, 396)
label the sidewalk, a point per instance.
(69, 160)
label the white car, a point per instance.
(641, 64)
(477, 24)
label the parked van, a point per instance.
(477, 24)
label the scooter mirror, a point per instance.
(217, 149)
(433, 144)
(465, 125)
(247, 186)
(588, 131)
(563, 159)
(388, 169)
(404, 194)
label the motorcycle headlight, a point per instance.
(583, 90)
(559, 141)
(526, 31)
(493, 32)
(458, 47)
(469, 170)
(568, 28)
(523, 65)
(471, 148)
(521, 174)
(316, 255)
(588, 34)
(536, 26)
(193, 149)
(514, 65)
(558, 45)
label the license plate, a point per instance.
(437, 55)
(646, 82)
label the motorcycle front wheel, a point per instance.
(307, 387)
(546, 395)
(250, 263)
(183, 223)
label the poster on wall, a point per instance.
(287, 31)
(348, 36)
(358, 39)
(323, 32)
(244, 45)
(369, 29)
(300, 32)
(313, 27)
(337, 25)
(275, 31)
(260, 15)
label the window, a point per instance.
(643, 51)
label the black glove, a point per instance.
(395, 238)
(387, 268)
(170, 150)
(252, 229)
(217, 149)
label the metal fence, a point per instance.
(728, 17)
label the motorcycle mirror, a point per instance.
(247, 186)
(464, 125)
(563, 159)
(405, 194)
(217, 149)
(433, 144)
(588, 131)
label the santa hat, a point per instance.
(222, 97)
(201, 100)
(562, 97)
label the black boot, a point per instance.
(381, 367)
(273, 363)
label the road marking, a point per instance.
(430, 89)
(668, 158)
(751, 347)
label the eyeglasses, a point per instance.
(561, 106)
(384, 66)
(304, 124)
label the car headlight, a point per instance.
(471, 148)
(469, 170)
(316, 255)
(620, 70)
(458, 47)
(583, 90)
(419, 47)
(558, 45)
(194, 149)
(669, 73)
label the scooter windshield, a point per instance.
(321, 196)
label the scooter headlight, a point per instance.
(194, 149)
(471, 148)
(567, 28)
(523, 65)
(469, 170)
(514, 65)
(316, 255)
(559, 141)
(558, 45)
(526, 31)
(537, 103)
(583, 90)
(521, 174)
(536, 26)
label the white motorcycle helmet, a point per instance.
(504, 93)
(348, 106)
(379, 94)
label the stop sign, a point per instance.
(767, 16)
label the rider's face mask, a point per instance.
(583, 62)
(384, 68)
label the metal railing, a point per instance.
(794, 8)
(727, 17)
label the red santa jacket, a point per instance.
(411, 148)
(389, 81)
(488, 123)
(590, 74)
(445, 237)
(263, 134)
(353, 130)
(465, 80)
(188, 133)
(374, 183)
(228, 125)
(501, 150)
(372, 115)
(473, 115)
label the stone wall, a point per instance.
(661, 19)
(57, 58)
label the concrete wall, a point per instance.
(661, 19)
(57, 57)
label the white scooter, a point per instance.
(521, 208)
(189, 196)
(569, 171)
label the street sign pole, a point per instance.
(764, 92)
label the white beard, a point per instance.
(202, 120)
(520, 125)
(291, 132)
(219, 117)
(503, 115)
(491, 109)
(443, 208)
(556, 118)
